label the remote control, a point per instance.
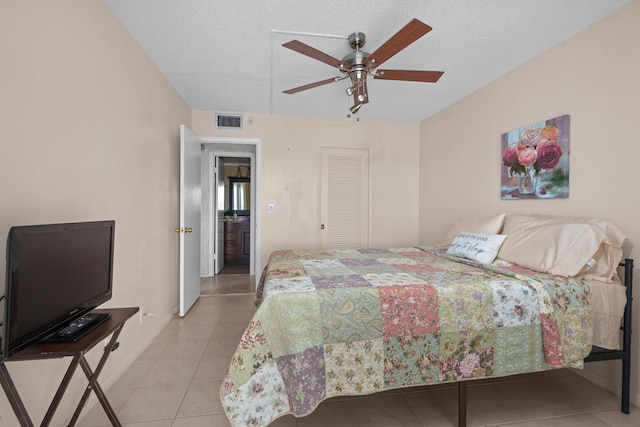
(78, 324)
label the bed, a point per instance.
(500, 296)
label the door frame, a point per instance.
(237, 147)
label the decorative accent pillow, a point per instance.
(476, 246)
(486, 225)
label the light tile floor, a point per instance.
(176, 382)
(228, 284)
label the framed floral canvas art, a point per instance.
(535, 161)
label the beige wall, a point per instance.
(290, 175)
(593, 76)
(89, 130)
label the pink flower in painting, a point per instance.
(537, 149)
(510, 157)
(528, 156)
(549, 153)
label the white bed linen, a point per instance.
(607, 303)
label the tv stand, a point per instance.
(77, 350)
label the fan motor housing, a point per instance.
(355, 58)
(357, 40)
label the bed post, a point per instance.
(624, 354)
(462, 404)
(626, 337)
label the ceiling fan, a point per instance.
(359, 64)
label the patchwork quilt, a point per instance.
(353, 322)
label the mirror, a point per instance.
(240, 195)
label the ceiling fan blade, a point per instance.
(403, 38)
(314, 53)
(312, 85)
(409, 75)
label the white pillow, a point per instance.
(478, 247)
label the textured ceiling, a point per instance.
(228, 55)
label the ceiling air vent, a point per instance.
(228, 121)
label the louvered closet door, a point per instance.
(344, 198)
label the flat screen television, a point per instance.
(55, 273)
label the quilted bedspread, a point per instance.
(353, 322)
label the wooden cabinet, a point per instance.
(237, 242)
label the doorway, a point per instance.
(233, 255)
(230, 186)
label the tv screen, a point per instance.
(55, 274)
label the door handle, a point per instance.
(186, 230)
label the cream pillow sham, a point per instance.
(484, 225)
(568, 246)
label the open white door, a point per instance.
(219, 214)
(189, 228)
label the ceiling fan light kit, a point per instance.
(359, 64)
